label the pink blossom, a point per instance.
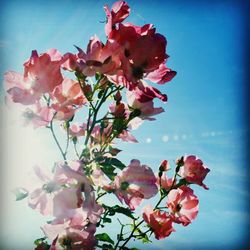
(146, 109)
(119, 11)
(43, 70)
(159, 221)
(67, 98)
(183, 205)
(37, 115)
(77, 130)
(41, 75)
(48, 194)
(194, 171)
(143, 50)
(19, 88)
(165, 182)
(135, 183)
(70, 236)
(98, 58)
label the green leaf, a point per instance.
(123, 210)
(20, 193)
(107, 247)
(104, 237)
(143, 237)
(114, 151)
(115, 162)
(109, 171)
(39, 241)
(107, 220)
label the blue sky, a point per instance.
(204, 115)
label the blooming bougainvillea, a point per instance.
(113, 83)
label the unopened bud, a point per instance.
(164, 166)
(87, 90)
(118, 96)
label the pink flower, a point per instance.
(77, 130)
(19, 89)
(98, 58)
(143, 50)
(41, 75)
(120, 10)
(48, 194)
(159, 221)
(68, 235)
(165, 182)
(37, 115)
(146, 109)
(44, 70)
(194, 171)
(183, 205)
(135, 183)
(67, 98)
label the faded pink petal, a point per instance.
(135, 183)
(161, 75)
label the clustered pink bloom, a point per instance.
(194, 171)
(130, 58)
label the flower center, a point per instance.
(124, 185)
(178, 207)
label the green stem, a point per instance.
(131, 234)
(55, 138)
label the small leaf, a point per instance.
(143, 237)
(20, 193)
(109, 171)
(107, 220)
(123, 210)
(39, 241)
(114, 151)
(114, 162)
(107, 247)
(104, 237)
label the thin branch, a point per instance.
(55, 138)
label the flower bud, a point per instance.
(164, 166)
(118, 96)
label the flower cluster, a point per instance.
(117, 73)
